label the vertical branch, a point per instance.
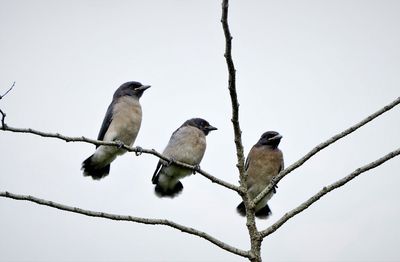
(232, 87)
(3, 115)
(255, 237)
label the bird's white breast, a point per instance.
(126, 121)
(187, 144)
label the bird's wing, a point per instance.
(247, 163)
(156, 174)
(282, 166)
(106, 122)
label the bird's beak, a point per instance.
(143, 87)
(277, 137)
(211, 128)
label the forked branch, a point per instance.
(255, 240)
(328, 189)
(323, 145)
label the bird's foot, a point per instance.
(275, 186)
(120, 144)
(196, 168)
(171, 161)
(138, 151)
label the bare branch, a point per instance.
(140, 220)
(1, 96)
(3, 117)
(328, 189)
(323, 145)
(232, 87)
(251, 224)
(137, 150)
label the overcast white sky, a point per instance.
(307, 69)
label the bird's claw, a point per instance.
(120, 144)
(170, 161)
(274, 188)
(196, 168)
(138, 151)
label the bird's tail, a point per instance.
(168, 192)
(241, 209)
(165, 186)
(91, 169)
(264, 212)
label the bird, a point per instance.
(264, 162)
(121, 124)
(188, 145)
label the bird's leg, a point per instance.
(196, 168)
(138, 151)
(119, 142)
(170, 161)
(275, 186)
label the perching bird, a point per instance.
(121, 124)
(187, 144)
(264, 162)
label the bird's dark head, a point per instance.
(201, 124)
(131, 88)
(270, 138)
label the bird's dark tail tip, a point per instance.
(90, 169)
(241, 209)
(162, 192)
(264, 212)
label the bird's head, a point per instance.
(131, 88)
(201, 124)
(270, 138)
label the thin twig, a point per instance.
(127, 148)
(3, 117)
(141, 220)
(1, 96)
(323, 145)
(328, 189)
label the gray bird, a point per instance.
(187, 144)
(264, 162)
(121, 124)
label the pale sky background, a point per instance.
(308, 69)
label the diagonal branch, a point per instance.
(1, 96)
(137, 150)
(328, 189)
(323, 145)
(140, 220)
